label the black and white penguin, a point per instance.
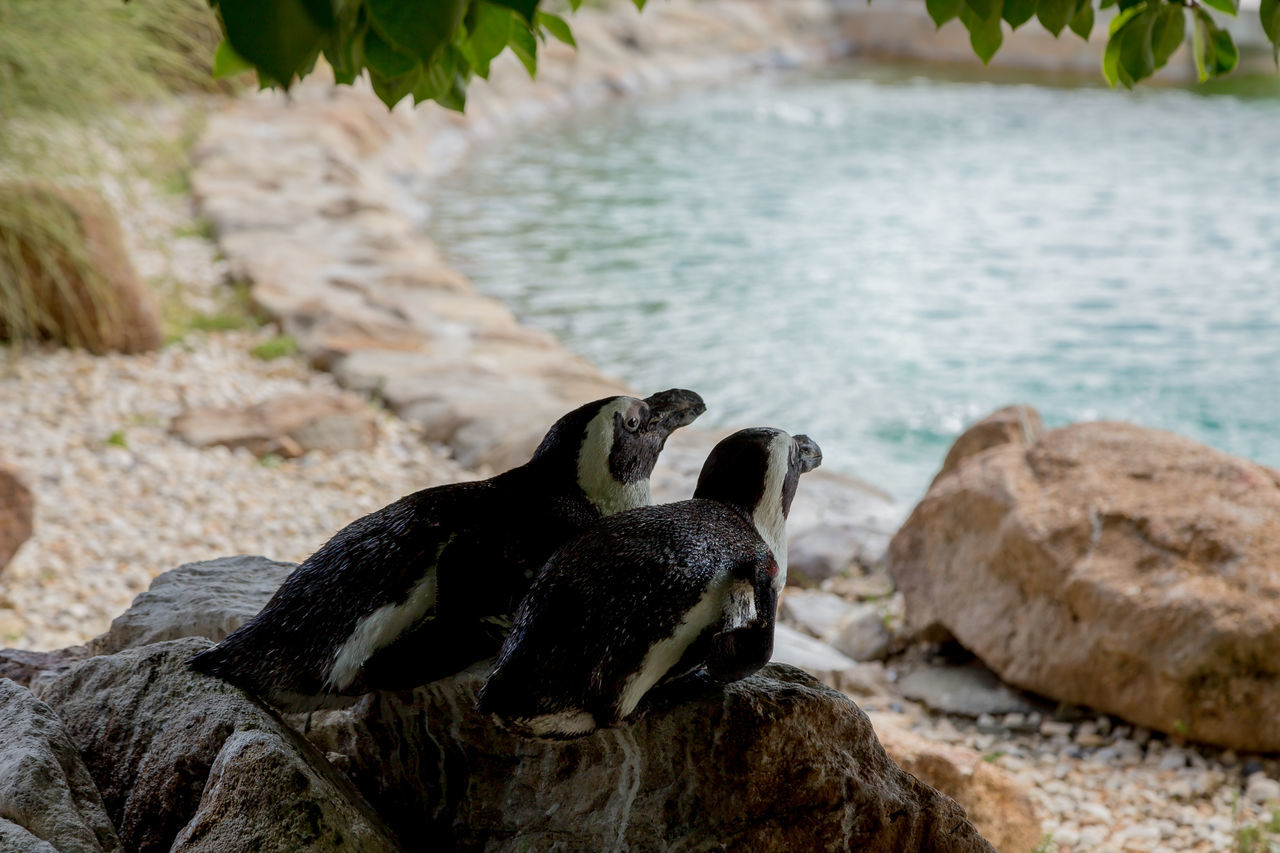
(426, 586)
(653, 594)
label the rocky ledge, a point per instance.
(118, 746)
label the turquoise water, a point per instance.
(877, 258)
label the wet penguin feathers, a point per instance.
(426, 586)
(655, 593)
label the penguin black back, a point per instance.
(655, 593)
(426, 585)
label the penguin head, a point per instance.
(757, 470)
(614, 443)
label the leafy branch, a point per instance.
(430, 49)
(427, 49)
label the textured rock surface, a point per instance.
(288, 426)
(971, 690)
(999, 806)
(207, 599)
(44, 786)
(17, 513)
(1128, 569)
(94, 298)
(150, 732)
(264, 794)
(775, 762)
(16, 839)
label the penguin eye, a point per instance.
(632, 424)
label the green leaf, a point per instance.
(1055, 14)
(557, 26)
(1111, 61)
(228, 63)
(943, 10)
(525, 47)
(1082, 23)
(526, 8)
(392, 90)
(1106, 4)
(1137, 58)
(1018, 12)
(575, 5)
(420, 29)
(1227, 53)
(1231, 7)
(1123, 18)
(1269, 12)
(1201, 46)
(985, 35)
(278, 36)
(384, 59)
(639, 4)
(444, 81)
(490, 30)
(1168, 33)
(983, 10)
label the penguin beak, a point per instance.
(669, 410)
(809, 452)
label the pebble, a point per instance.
(1262, 790)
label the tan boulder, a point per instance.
(1104, 564)
(289, 425)
(17, 513)
(82, 289)
(998, 804)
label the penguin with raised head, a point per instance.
(653, 594)
(426, 586)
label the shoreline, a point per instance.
(316, 202)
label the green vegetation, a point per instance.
(236, 311)
(116, 439)
(278, 347)
(67, 67)
(431, 50)
(1046, 845)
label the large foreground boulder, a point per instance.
(1104, 564)
(45, 790)
(17, 513)
(187, 762)
(775, 762)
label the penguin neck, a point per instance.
(771, 523)
(596, 478)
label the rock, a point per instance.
(774, 762)
(862, 634)
(15, 838)
(88, 294)
(1262, 790)
(1019, 425)
(263, 794)
(826, 551)
(45, 788)
(828, 665)
(816, 613)
(1126, 569)
(850, 628)
(22, 666)
(999, 805)
(17, 514)
(288, 426)
(208, 599)
(151, 732)
(971, 690)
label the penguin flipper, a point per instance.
(741, 650)
(433, 649)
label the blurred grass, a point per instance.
(73, 73)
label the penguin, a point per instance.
(426, 586)
(654, 595)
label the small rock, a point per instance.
(862, 634)
(288, 426)
(17, 513)
(824, 551)
(818, 614)
(1055, 728)
(1173, 759)
(970, 690)
(1262, 790)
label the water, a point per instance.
(877, 259)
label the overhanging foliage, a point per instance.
(429, 49)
